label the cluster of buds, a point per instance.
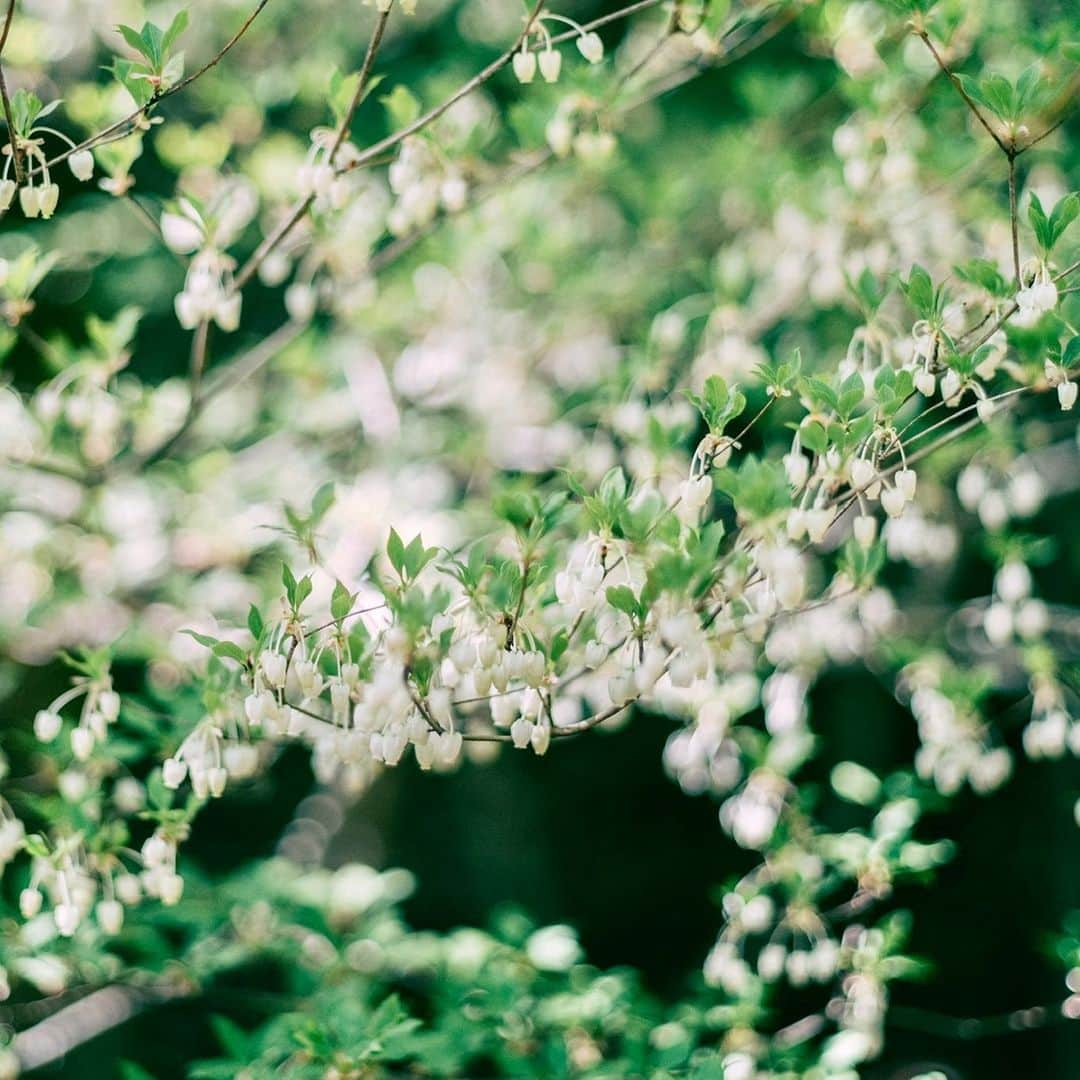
(324, 173)
(39, 195)
(422, 183)
(548, 60)
(1038, 296)
(159, 876)
(954, 746)
(208, 294)
(70, 878)
(1058, 376)
(210, 761)
(101, 706)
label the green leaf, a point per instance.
(133, 38)
(255, 622)
(395, 552)
(621, 597)
(341, 602)
(231, 651)
(1071, 353)
(321, 503)
(176, 28)
(289, 581)
(402, 106)
(919, 290)
(813, 437)
(1040, 224)
(303, 591)
(1063, 215)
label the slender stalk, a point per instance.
(119, 128)
(1014, 217)
(963, 93)
(16, 149)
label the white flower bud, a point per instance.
(906, 480)
(180, 233)
(541, 738)
(110, 915)
(7, 193)
(591, 47)
(1066, 393)
(48, 197)
(47, 725)
(524, 63)
(300, 302)
(550, 65)
(81, 164)
(865, 529)
(862, 473)
(273, 668)
(521, 732)
(894, 502)
(170, 889)
(82, 743)
(216, 779)
(925, 382)
(227, 312)
(173, 771)
(771, 962)
(29, 903)
(67, 918)
(30, 201)
(817, 523)
(128, 888)
(1013, 582)
(108, 704)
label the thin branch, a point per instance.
(299, 211)
(132, 120)
(1014, 217)
(197, 365)
(378, 149)
(963, 93)
(16, 149)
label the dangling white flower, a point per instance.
(272, 665)
(300, 301)
(591, 47)
(925, 382)
(550, 64)
(67, 917)
(48, 197)
(1066, 393)
(541, 738)
(29, 903)
(894, 501)
(30, 201)
(82, 743)
(1040, 296)
(173, 771)
(7, 193)
(865, 529)
(81, 164)
(521, 732)
(181, 232)
(47, 725)
(817, 523)
(905, 480)
(524, 63)
(110, 915)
